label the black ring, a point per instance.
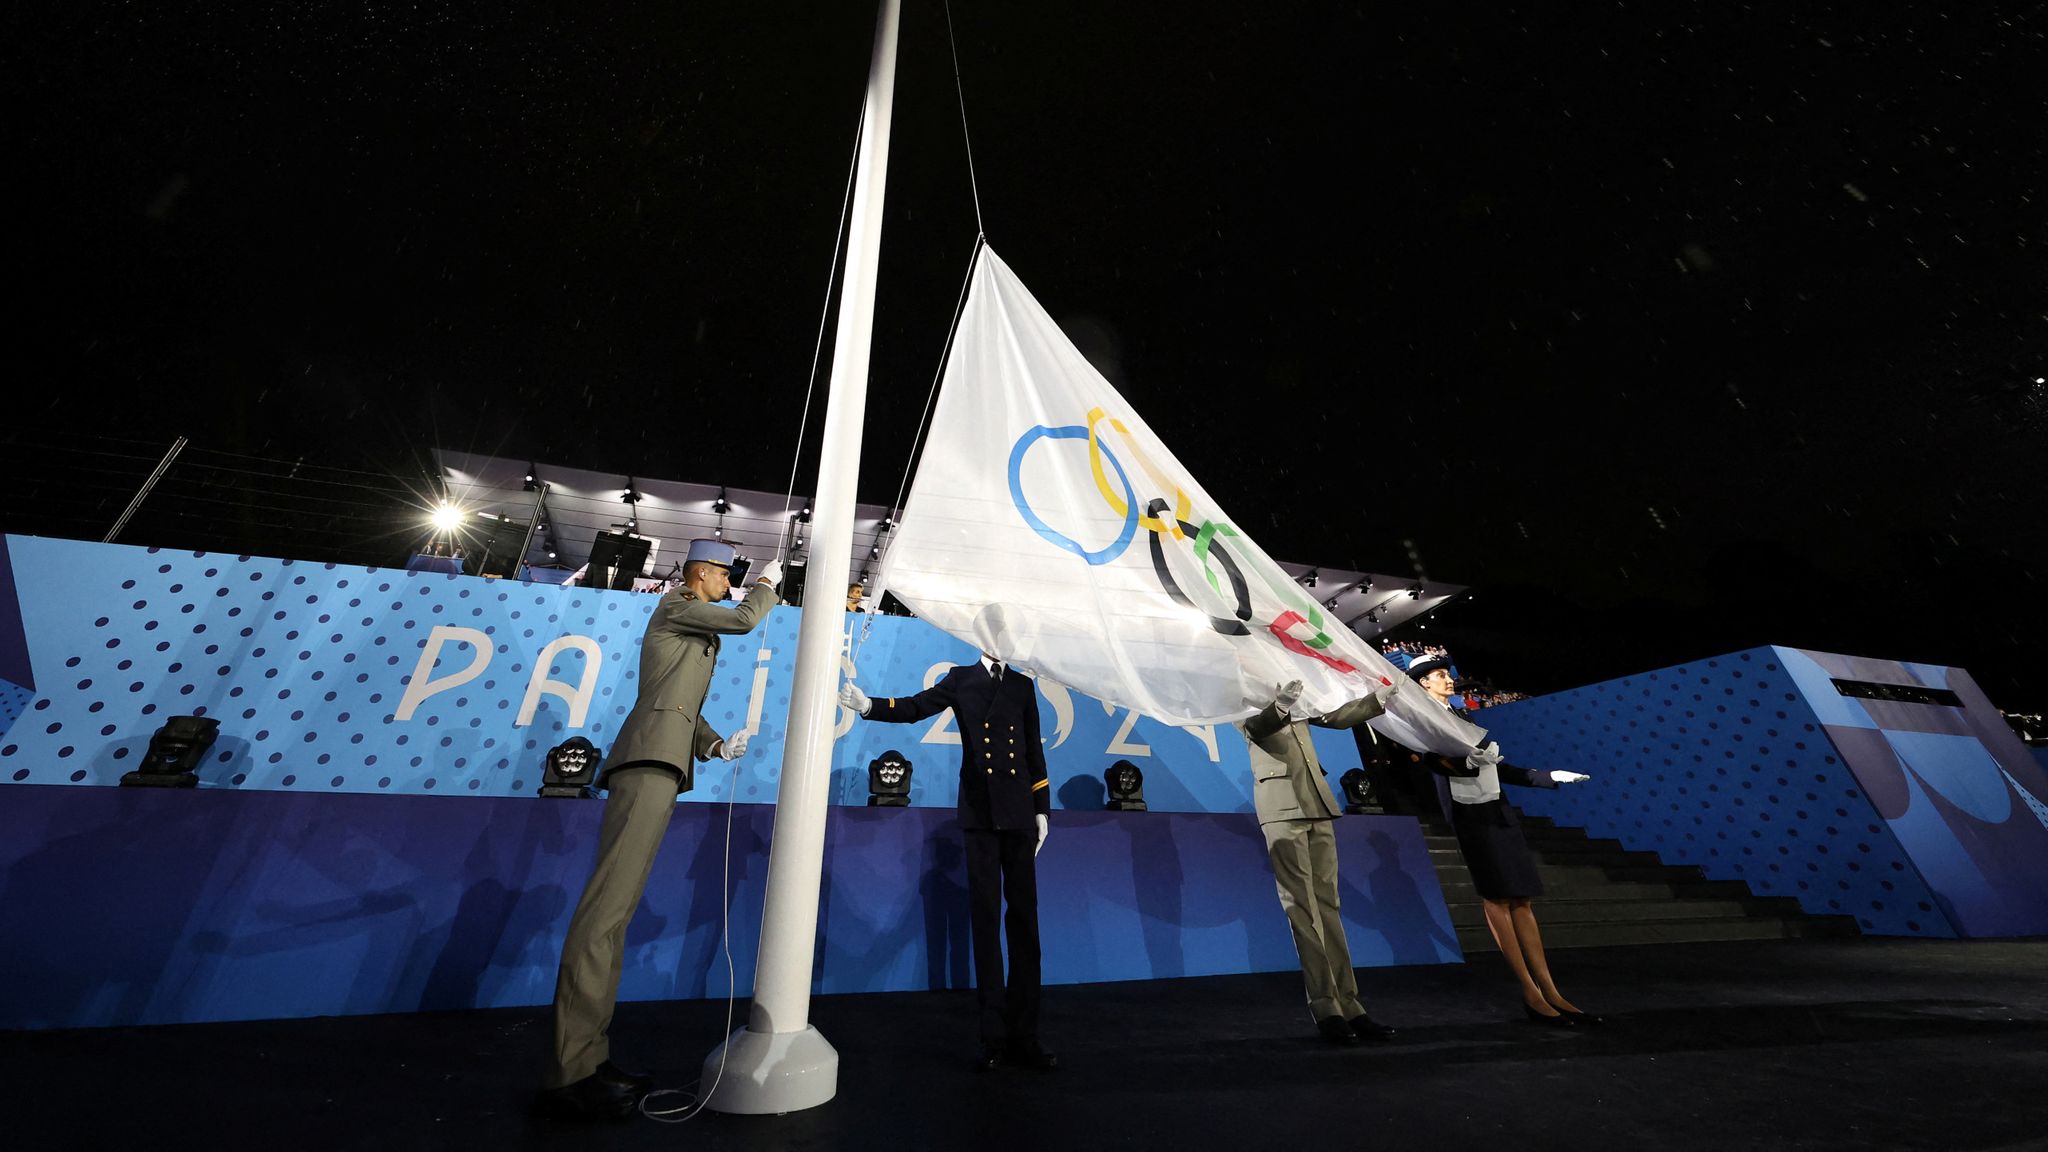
(1238, 588)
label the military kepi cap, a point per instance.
(711, 552)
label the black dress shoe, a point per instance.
(1558, 1021)
(1032, 1056)
(632, 1082)
(1334, 1030)
(1365, 1027)
(591, 1098)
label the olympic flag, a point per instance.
(1050, 527)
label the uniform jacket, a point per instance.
(1495, 812)
(676, 660)
(1002, 764)
(1287, 778)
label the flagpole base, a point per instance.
(767, 1073)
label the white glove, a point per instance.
(1384, 695)
(770, 574)
(1044, 826)
(1289, 693)
(1563, 777)
(1484, 758)
(734, 746)
(852, 697)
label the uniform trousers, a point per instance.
(637, 809)
(1304, 857)
(1001, 867)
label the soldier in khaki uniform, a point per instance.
(1004, 801)
(1296, 813)
(652, 762)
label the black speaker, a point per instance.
(793, 583)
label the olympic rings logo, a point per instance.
(1168, 519)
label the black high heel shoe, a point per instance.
(1558, 1021)
(1580, 1019)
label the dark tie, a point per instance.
(995, 669)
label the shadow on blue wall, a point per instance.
(141, 906)
(1394, 905)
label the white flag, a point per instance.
(1050, 527)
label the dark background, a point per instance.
(1672, 328)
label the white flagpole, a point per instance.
(779, 1062)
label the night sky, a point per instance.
(1672, 328)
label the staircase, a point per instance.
(1597, 892)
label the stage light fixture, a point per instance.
(804, 517)
(720, 505)
(1359, 796)
(172, 760)
(1308, 579)
(532, 478)
(446, 518)
(571, 770)
(1330, 603)
(885, 525)
(1372, 615)
(1126, 785)
(1415, 593)
(889, 780)
(874, 553)
(631, 495)
(718, 533)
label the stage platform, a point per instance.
(1797, 1044)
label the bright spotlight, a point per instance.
(446, 518)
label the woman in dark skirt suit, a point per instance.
(1498, 857)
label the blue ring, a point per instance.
(1071, 432)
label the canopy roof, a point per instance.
(579, 504)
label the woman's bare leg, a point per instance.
(1530, 938)
(1500, 920)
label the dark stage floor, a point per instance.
(1796, 1044)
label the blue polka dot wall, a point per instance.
(347, 679)
(1723, 764)
(323, 677)
(14, 700)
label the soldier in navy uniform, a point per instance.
(1004, 801)
(1497, 855)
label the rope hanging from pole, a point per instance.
(974, 186)
(945, 352)
(817, 349)
(952, 328)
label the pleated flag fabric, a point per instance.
(1049, 526)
